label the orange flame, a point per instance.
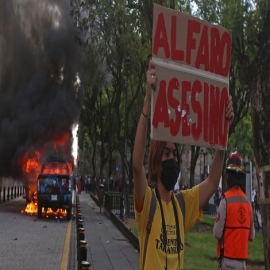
(29, 164)
(70, 166)
(51, 169)
(31, 208)
(32, 164)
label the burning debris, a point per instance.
(32, 209)
(40, 95)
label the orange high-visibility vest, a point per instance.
(237, 225)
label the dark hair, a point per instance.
(155, 157)
(235, 178)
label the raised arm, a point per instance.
(139, 176)
(210, 184)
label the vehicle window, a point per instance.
(49, 185)
(64, 185)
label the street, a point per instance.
(27, 242)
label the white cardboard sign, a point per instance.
(192, 59)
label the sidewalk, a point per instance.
(108, 248)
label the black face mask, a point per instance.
(170, 173)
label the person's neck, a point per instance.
(234, 186)
(165, 195)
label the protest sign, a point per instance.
(192, 59)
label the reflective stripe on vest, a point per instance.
(237, 225)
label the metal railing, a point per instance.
(113, 203)
(9, 193)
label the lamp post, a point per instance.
(248, 179)
(127, 62)
(204, 153)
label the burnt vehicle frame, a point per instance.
(54, 187)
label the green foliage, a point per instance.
(241, 138)
(115, 28)
(207, 10)
(245, 21)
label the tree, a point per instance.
(97, 115)
(110, 31)
(242, 138)
(259, 78)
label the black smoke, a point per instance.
(40, 98)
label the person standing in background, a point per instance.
(253, 194)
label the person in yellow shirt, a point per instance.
(163, 248)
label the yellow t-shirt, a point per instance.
(156, 253)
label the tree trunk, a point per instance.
(195, 152)
(260, 103)
(224, 174)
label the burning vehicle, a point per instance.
(54, 187)
(40, 101)
(48, 178)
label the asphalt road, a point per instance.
(27, 242)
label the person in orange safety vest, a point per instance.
(234, 225)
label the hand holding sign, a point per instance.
(151, 78)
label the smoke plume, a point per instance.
(40, 95)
